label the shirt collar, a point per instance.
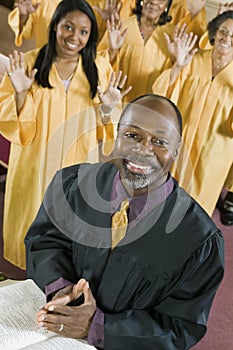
(139, 204)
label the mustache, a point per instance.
(143, 161)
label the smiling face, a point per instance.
(223, 42)
(147, 143)
(72, 34)
(153, 9)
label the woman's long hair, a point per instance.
(48, 53)
(163, 19)
(214, 25)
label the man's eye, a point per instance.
(131, 135)
(159, 142)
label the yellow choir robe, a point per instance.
(180, 14)
(54, 129)
(206, 106)
(37, 24)
(125, 12)
(204, 43)
(141, 61)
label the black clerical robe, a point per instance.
(156, 287)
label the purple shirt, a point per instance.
(138, 207)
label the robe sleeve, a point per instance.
(162, 86)
(106, 130)
(175, 321)
(27, 32)
(103, 46)
(179, 320)
(19, 129)
(48, 242)
(197, 24)
(204, 43)
(180, 14)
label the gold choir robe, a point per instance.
(180, 13)
(38, 22)
(206, 106)
(141, 61)
(125, 12)
(54, 129)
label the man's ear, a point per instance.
(175, 155)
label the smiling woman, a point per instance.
(54, 119)
(137, 45)
(203, 91)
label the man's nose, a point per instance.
(144, 148)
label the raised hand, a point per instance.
(20, 80)
(179, 33)
(228, 6)
(195, 6)
(114, 93)
(71, 321)
(182, 48)
(26, 7)
(116, 34)
(111, 7)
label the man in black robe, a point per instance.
(154, 289)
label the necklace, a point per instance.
(59, 72)
(142, 32)
(219, 63)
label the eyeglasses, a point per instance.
(224, 31)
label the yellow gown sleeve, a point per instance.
(204, 43)
(19, 129)
(27, 32)
(229, 180)
(196, 24)
(162, 86)
(106, 132)
(180, 14)
(125, 12)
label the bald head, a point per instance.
(147, 143)
(156, 103)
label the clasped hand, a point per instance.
(70, 321)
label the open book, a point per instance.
(19, 303)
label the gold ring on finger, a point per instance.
(61, 327)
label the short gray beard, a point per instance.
(137, 181)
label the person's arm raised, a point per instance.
(181, 50)
(20, 80)
(195, 6)
(116, 35)
(25, 9)
(113, 94)
(111, 7)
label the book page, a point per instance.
(61, 343)
(7, 282)
(19, 304)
